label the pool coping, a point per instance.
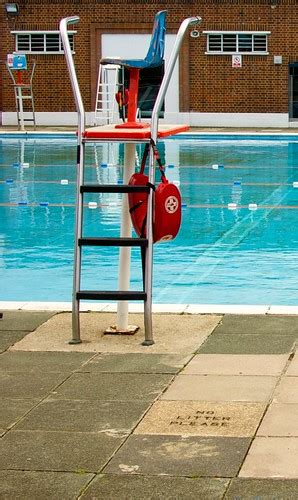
(263, 134)
(156, 308)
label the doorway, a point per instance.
(134, 46)
(293, 91)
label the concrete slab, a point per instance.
(155, 487)
(226, 309)
(284, 310)
(280, 420)
(180, 456)
(56, 451)
(236, 364)
(21, 485)
(113, 386)
(11, 410)
(109, 417)
(47, 306)
(247, 344)
(287, 391)
(18, 386)
(293, 366)
(181, 334)
(220, 388)
(271, 457)
(9, 338)
(18, 361)
(23, 320)
(135, 363)
(11, 305)
(262, 489)
(201, 419)
(256, 324)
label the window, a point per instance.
(38, 42)
(230, 42)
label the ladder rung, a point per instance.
(113, 188)
(113, 242)
(113, 295)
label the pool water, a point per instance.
(246, 255)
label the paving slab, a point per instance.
(236, 364)
(32, 485)
(287, 391)
(31, 386)
(272, 457)
(180, 456)
(55, 362)
(135, 363)
(113, 386)
(11, 410)
(9, 338)
(248, 344)
(112, 417)
(108, 486)
(258, 324)
(280, 420)
(293, 366)
(220, 388)
(24, 320)
(56, 451)
(262, 489)
(173, 333)
(201, 419)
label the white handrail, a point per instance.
(191, 21)
(72, 72)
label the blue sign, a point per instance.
(17, 61)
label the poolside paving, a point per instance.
(210, 411)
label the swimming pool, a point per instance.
(239, 235)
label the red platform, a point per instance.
(130, 134)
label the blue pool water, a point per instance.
(220, 256)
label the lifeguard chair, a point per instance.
(23, 88)
(128, 133)
(153, 59)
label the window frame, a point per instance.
(237, 35)
(43, 34)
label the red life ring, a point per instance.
(167, 209)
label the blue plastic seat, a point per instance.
(156, 49)
(153, 59)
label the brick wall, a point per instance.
(259, 86)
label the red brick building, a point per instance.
(240, 69)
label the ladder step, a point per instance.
(112, 242)
(113, 295)
(113, 188)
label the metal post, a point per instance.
(80, 173)
(122, 325)
(149, 258)
(20, 106)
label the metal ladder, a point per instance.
(145, 244)
(110, 80)
(24, 98)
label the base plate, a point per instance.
(114, 330)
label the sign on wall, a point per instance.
(17, 61)
(236, 61)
